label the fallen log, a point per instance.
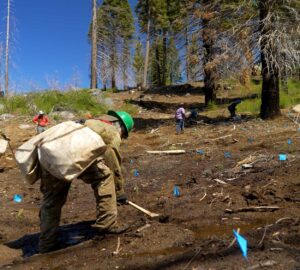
(253, 209)
(168, 152)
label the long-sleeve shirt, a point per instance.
(108, 132)
(41, 121)
(180, 114)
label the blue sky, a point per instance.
(49, 42)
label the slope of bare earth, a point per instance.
(217, 195)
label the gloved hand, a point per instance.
(122, 199)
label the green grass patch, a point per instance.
(129, 108)
(76, 101)
(292, 96)
(251, 106)
(212, 106)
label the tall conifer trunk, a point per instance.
(270, 73)
(164, 60)
(147, 51)
(93, 83)
(209, 80)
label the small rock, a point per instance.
(247, 166)
(65, 115)
(96, 92)
(108, 102)
(23, 126)
(207, 172)
(6, 116)
(147, 98)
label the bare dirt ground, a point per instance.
(216, 196)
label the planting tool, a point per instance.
(147, 212)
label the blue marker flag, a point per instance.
(242, 243)
(282, 157)
(136, 173)
(289, 141)
(176, 191)
(227, 154)
(201, 152)
(17, 198)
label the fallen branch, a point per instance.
(263, 264)
(284, 218)
(295, 122)
(116, 252)
(223, 137)
(169, 152)
(203, 197)
(154, 130)
(234, 239)
(220, 181)
(143, 228)
(253, 209)
(264, 235)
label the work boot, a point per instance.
(114, 229)
(50, 248)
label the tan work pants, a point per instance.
(55, 192)
(113, 161)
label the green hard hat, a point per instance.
(125, 118)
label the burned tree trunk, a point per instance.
(209, 78)
(270, 70)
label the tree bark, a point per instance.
(209, 80)
(113, 63)
(93, 84)
(270, 73)
(157, 61)
(209, 87)
(164, 60)
(187, 55)
(147, 51)
(126, 60)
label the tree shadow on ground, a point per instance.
(141, 124)
(184, 258)
(69, 235)
(170, 107)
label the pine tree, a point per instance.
(160, 15)
(174, 65)
(138, 63)
(273, 33)
(115, 33)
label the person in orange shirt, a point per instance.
(42, 121)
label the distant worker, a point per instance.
(101, 175)
(180, 117)
(42, 121)
(232, 108)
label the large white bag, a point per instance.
(27, 159)
(64, 150)
(3, 146)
